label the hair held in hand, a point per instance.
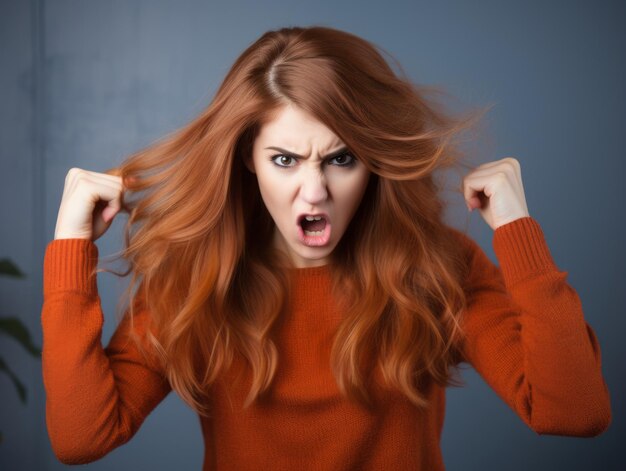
(198, 237)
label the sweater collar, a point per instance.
(319, 271)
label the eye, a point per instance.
(342, 160)
(282, 158)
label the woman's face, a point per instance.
(322, 180)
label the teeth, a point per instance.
(313, 233)
(311, 218)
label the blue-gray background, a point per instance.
(85, 83)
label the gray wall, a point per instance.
(84, 83)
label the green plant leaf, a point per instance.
(21, 390)
(8, 268)
(13, 327)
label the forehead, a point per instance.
(295, 128)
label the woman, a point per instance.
(295, 284)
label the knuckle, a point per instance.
(501, 176)
(513, 161)
(71, 173)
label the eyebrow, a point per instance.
(336, 153)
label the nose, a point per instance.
(313, 188)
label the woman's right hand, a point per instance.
(90, 202)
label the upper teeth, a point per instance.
(312, 218)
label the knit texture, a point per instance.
(525, 334)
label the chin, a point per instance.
(316, 257)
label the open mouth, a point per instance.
(313, 226)
(314, 230)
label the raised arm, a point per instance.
(96, 398)
(527, 337)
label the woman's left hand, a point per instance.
(496, 189)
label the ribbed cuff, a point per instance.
(69, 265)
(521, 249)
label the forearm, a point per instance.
(96, 398)
(561, 355)
(84, 416)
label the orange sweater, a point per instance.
(526, 336)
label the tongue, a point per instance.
(314, 225)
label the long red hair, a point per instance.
(198, 237)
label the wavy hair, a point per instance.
(198, 236)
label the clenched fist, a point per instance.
(90, 202)
(497, 191)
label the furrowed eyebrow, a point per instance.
(337, 153)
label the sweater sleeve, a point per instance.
(96, 398)
(525, 334)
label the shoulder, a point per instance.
(468, 245)
(478, 270)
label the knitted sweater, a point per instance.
(525, 335)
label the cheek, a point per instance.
(267, 186)
(357, 189)
(273, 193)
(351, 196)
